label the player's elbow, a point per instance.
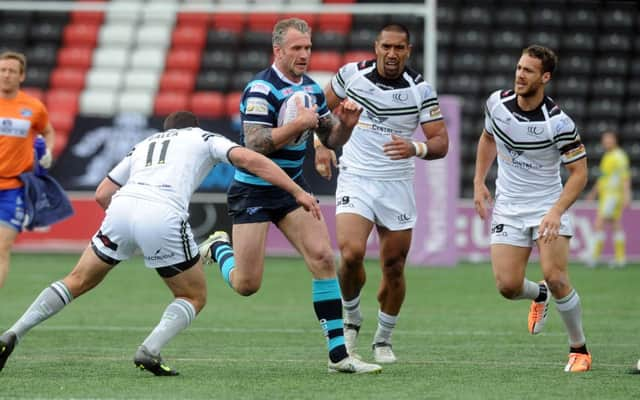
(103, 198)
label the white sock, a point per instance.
(177, 316)
(530, 290)
(351, 309)
(571, 312)
(386, 323)
(48, 303)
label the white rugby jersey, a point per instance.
(395, 106)
(169, 166)
(530, 146)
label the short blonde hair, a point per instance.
(14, 55)
(282, 26)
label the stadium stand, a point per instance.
(138, 54)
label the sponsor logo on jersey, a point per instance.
(435, 112)
(256, 106)
(535, 130)
(159, 257)
(260, 88)
(401, 97)
(15, 127)
(26, 112)
(563, 124)
(253, 210)
(403, 218)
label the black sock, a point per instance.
(542, 296)
(582, 349)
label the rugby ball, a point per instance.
(289, 111)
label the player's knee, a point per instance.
(507, 290)
(393, 270)
(352, 256)
(246, 287)
(558, 285)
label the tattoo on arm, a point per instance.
(258, 138)
(325, 127)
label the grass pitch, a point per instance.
(456, 339)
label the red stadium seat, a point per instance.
(62, 137)
(63, 100)
(334, 22)
(262, 22)
(34, 92)
(185, 59)
(168, 102)
(229, 22)
(233, 104)
(354, 56)
(81, 34)
(193, 35)
(76, 57)
(309, 18)
(67, 78)
(62, 121)
(208, 104)
(92, 17)
(193, 18)
(325, 61)
(177, 81)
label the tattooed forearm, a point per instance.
(325, 127)
(258, 138)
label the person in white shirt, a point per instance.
(146, 198)
(531, 136)
(375, 184)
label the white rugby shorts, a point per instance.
(390, 204)
(161, 232)
(517, 224)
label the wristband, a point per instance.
(421, 149)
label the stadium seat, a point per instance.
(577, 64)
(11, 31)
(362, 39)
(148, 58)
(168, 102)
(208, 104)
(107, 79)
(614, 42)
(116, 57)
(475, 17)
(182, 81)
(87, 17)
(38, 77)
(255, 60)
(357, 56)
(584, 17)
(66, 100)
(260, 22)
(578, 41)
(75, 57)
(446, 15)
(232, 102)
(605, 108)
(136, 101)
(502, 63)
(193, 18)
(547, 18)
(329, 61)
(609, 87)
(46, 32)
(310, 19)
(465, 84)
(120, 34)
(329, 40)
(123, 11)
(60, 143)
(213, 81)
(256, 40)
(335, 22)
(492, 83)
(548, 39)
(67, 78)
(160, 12)
(572, 86)
(42, 54)
(229, 22)
(142, 79)
(154, 35)
(218, 59)
(62, 121)
(612, 66)
(468, 62)
(575, 107)
(618, 17)
(184, 59)
(369, 21)
(513, 17)
(81, 34)
(189, 36)
(223, 39)
(471, 39)
(507, 40)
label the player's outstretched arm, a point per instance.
(268, 170)
(485, 155)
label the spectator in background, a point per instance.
(531, 136)
(22, 119)
(613, 190)
(375, 185)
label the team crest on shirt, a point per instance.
(26, 112)
(260, 88)
(257, 106)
